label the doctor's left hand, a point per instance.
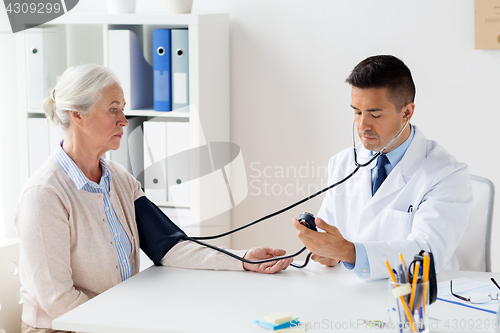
(261, 253)
(328, 244)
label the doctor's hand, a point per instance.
(261, 253)
(328, 245)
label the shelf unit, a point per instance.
(85, 37)
(137, 113)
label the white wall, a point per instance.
(290, 105)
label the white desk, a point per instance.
(164, 299)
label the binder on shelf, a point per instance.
(131, 151)
(178, 170)
(121, 155)
(45, 61)
(135, 143)
(38, 143)
(180, 69)
(155, 154)
(126, 60)
(162, 69)
(42, 141)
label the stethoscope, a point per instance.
(380, 152)
(198, 240)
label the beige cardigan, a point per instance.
(67, 250)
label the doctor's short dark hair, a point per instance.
(385, 71)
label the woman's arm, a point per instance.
(43, 225)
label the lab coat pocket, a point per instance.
(394, 224)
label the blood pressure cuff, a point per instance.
(157, 233)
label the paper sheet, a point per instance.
(465, 287)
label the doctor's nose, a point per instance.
(363, 123)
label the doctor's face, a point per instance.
(377, 119)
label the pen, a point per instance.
(405, 274)
(402, 275)
(398, 280)
(414, 284)
(420, 312)
(419, 298)
(405, 269)
(405, 306)
(401, 315)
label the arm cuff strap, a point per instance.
(157, 233)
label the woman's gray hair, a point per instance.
(78, 89)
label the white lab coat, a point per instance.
(428, 179)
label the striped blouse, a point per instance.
(122, 242)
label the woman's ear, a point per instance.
(76, 117)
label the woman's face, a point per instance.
(103, 125)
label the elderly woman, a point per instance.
(76, 217)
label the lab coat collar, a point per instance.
(402, 172)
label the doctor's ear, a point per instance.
(408, 110)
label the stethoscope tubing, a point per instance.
(358, 166)
(381, 151)
(243, 259)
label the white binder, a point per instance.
(155, 154)
(38, 143)
(126, 60)
(44, 63)
(131, 151)
(56, 135)
(178, 142)
(180, 216)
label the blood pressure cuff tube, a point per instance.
(157, 233)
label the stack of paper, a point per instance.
(280, 321)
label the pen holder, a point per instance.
(408, 307)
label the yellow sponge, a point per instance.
(277, 317)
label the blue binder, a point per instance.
(162, 73)
(180, 69)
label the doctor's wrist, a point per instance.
(349, 254)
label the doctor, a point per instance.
(414, 196)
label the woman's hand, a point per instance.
(261, 253)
